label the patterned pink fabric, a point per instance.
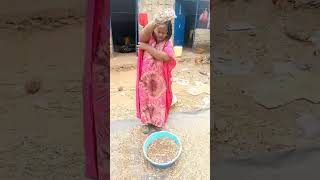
(153, 87)
(96, 92)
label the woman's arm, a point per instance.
(158, 55)
(146, 32)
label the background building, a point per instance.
(188, 31)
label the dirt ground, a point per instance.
(41, 135)
(127, 159)
(242, 127)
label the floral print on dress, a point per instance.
(153, 113)
(152, 89)
(153, 84)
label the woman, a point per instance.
(155, 64)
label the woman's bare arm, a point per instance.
(158, 55)
(146, 32)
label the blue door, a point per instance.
(179, 24)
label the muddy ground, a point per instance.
(127, 159)
(242, 126)
(41, 135)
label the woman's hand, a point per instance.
(143, 46)
(164, 15)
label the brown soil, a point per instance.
(127, 160)
(242, 127)
(41, 118)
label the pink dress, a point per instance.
(96, 92)
(153, 86)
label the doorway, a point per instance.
(184, 26)
(123, 24)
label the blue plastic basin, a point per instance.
(159, 135)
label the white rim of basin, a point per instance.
(166, 163)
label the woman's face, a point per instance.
(161, 32)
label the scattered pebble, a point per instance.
(204, 73)
(120, 88)
(305, 67)
(238, 26)
(32, 86)
(252, 33)
(199, 50)
(297, 35)
(182, 82)
(199, 83)
(316, 52)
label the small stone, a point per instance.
(203, 73)
(226, 139)
(64, 21)
(20, 28)
(199, 50)
(120, 88)
(252, 33)
(268, 148)
(305, 67)
(220, 124)
(32, 86)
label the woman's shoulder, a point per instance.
(151, 40)
(169, 43)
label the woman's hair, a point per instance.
(169, 25)
(169, 28)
